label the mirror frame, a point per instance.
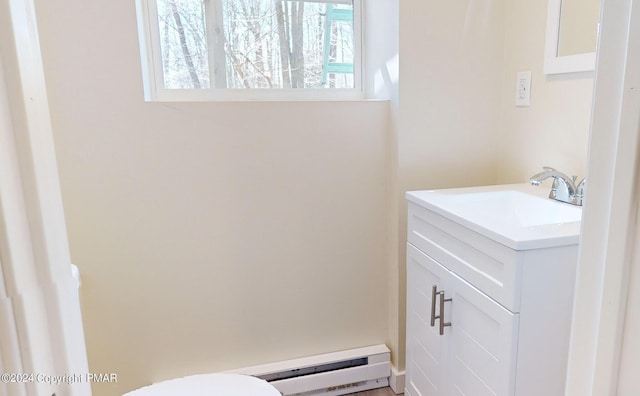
(554, 64)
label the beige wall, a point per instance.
(210, 236)
(554, 130)
(382, 80)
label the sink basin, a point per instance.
(520, 216)
(516, 207)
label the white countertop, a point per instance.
(519, 216)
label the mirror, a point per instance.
(572, 32)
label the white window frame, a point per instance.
(153, 78)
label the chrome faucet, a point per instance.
(564, 188)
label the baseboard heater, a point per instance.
(336, 373)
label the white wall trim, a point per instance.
(396, 380)
(41, 327)
(610, 209)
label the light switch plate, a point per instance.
(523, 89)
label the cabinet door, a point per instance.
(483, 337)
(427, 355)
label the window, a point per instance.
(226, 49)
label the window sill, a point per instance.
(258, 95)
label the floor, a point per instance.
(376, 392)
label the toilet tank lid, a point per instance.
(207, 385)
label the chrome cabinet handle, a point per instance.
(434, 295)
(441, 316)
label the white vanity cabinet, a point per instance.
(475, 355)
(484, 318)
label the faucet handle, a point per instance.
(580, 190)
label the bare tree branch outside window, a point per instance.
(184, 43)
(267, 43)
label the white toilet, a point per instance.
(209, 385)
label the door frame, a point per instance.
(610, 210)
(40, 320)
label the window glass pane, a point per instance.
(183, 42)
(288, 44)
